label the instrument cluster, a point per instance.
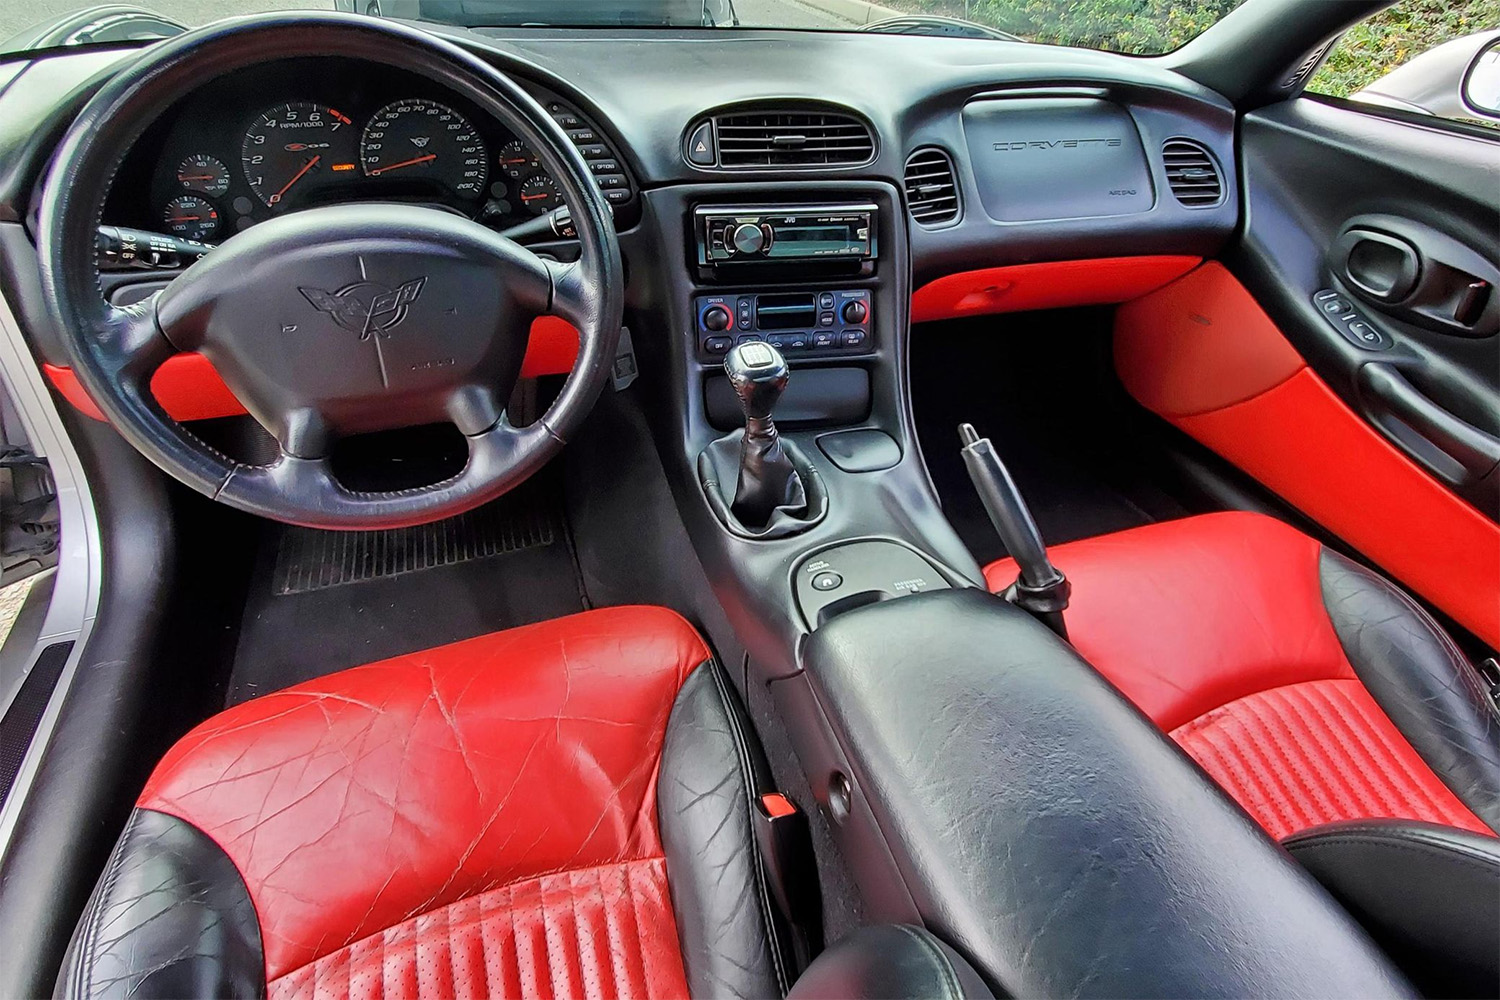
(252, 146)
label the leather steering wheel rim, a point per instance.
(116, 350)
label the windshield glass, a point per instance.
(1139, 27)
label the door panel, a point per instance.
(1373, 245)
(1368, 252)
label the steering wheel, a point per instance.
(338, 320)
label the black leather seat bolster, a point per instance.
(1420, 679)
(732, 942)
(1050, 833)
(170, 918)
(890, 962)
(1429, 895)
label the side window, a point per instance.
(1432, 57)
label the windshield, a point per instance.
(1139, 27)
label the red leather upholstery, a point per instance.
(600, 932)
(1215, 627)
(460, 816)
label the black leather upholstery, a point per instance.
(170, 917)
(1421, 680)
(1050, 832)
(709, 769)
(890, 962)
(1429, 895)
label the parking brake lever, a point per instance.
(1041, 589)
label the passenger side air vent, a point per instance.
(931, 192)
(783, 139)
(1192, 174)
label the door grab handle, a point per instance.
(1386, 391)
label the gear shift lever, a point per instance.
(767, 480)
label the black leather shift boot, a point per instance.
(767, 478)
(794, 500)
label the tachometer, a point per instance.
(424, 140)
(295, 144)
(191, 217)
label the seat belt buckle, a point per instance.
(785, 842)
(1489, 673)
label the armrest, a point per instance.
(1049, 832)
(890, 962)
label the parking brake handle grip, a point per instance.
(1041, 588)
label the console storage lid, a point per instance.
(1048, 831)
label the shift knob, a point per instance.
(758, 374)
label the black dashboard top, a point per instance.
(643, 90)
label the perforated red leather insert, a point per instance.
(1319, 752)
(364, 799)
(1215, 627)
(593, 934)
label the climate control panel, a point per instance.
(835, 321)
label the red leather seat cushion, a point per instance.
(437, 799)
(1215, 627)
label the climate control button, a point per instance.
(855, 311)
(716, 318)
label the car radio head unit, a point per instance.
(785, 233)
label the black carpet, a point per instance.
(1041, 387)
(322, 601)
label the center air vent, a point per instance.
(931, 194)
(1192, 174)
(780, 139)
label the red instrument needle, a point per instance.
(404, 163)
(295, 178)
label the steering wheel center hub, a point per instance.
(361, 317)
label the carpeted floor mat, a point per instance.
(322, 601)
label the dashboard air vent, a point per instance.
(792, 139)
(1192, 174)
(931, 193)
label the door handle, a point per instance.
(1387, 393)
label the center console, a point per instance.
(978, 777)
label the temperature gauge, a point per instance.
(191, 217)
(201, 172)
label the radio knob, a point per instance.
(717, 318)
(855, 311)
(748, 238)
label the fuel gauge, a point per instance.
(201, 172)
(539, 194)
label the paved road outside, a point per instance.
(18, 14)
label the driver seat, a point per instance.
(561, 809)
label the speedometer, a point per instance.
(423, 140)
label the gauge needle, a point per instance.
(404, 163)
(197, 177)
(532, 197)
(185, 218)
(295, 178)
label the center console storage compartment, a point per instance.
(984, 781)
(814, 396)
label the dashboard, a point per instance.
(275, 139)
